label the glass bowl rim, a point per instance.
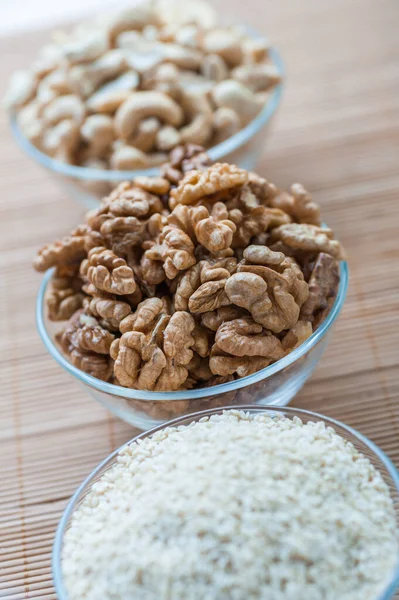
(197, 393)
(216, 153)
(329, 421)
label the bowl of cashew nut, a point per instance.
(110, 99)
(207, 286)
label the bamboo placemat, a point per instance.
(338, 133)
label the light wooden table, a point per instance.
(338, 133)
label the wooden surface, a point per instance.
(338, 133)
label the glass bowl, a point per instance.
(379, 460)
(88, 185)
(275, 385)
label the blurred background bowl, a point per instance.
(275, 385)
(376, 456)
(87, 185)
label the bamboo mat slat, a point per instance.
(338, 133)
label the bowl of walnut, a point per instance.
(178, 294)
(112, 98)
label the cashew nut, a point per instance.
(137, 17)
(126, 158)
(146, 104)
(194, 104)
(182, 56)
(255, 50)
(62, 139)
(233, 94)
(146, 134)
(21, 89)
(167, 138)
(164, 70)
(257, 77)
(226, 44)
(165, 73)
(29, 121)
(188, 35)
(193, 83)
(48, 59)
(110, 96)
(199, 131)
(44, 97)
(150, 33)
(213, 67)
(88, 78)
(165, 78)
(197, 108)
(88, 47)
(98, 132)
(65, 107)
(28, 114)
(226, 123)
(191, 11)
(34, 131)
(57, 81)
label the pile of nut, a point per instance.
(192, 278)
(122, 91)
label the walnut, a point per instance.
(183, 159)
(198, 369)
(156, 361)
(68, 251)
(129, 352)
(243, 347)
(188, 282)
(64, 296)
(212, 228)
(301, 331)
(201, 341)
(209, 296)
(262, 255)
(93, 239)
(244, 337)
(298, 204)
(128, 207)
(93, 338)
(109, 272)
(223, 364)
(213, 319)
(135, 199)
(234, 277)
(202, 287)
(152, 270)
(309, 238)
(174, 248)
(111, 311)
(323, 285)
(178, 339)
(196, 184)
(143, 289)
(251, 217)
(261, 188)
(155, 224)
(97, 365)
(122, 233)
(214, 231)
(145, 316)
(153, 185)
(87, 345)
(273, 299)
